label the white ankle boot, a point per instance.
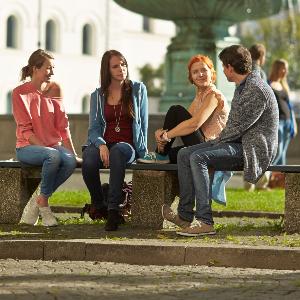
(48, 218)
(30, 214)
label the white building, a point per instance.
(77, 33)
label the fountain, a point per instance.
(202, 27)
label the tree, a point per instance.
(153, 79)
(280, 38)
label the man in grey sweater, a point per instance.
(248, 142)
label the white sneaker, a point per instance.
(48, 218)
(30, 213)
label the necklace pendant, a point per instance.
(117, 129)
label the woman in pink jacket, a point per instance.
(43, 135)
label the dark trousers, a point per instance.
(119, 155)
(174, 116)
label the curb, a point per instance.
(218, 214)
(153, 253)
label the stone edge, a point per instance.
(280, 258)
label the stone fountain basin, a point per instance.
(232, 11)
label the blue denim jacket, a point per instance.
(97, 122)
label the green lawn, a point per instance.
(237, 199)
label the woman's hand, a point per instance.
(159, 140)
(104, 155)
(78, 160)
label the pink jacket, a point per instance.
(36, 114)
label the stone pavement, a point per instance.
(34, 279)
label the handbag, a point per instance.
(125, 205)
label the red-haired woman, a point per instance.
(204, 120)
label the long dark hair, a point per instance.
(105, 80)
(36, 59)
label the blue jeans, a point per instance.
(284, 138)
(58, 164)
(195, 180)
(120, 155)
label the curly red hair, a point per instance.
(207, 61)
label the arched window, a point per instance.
(51, 36)
(12, 32)
(87, 39)
(8, 103)
(85, 104)
(146, 24)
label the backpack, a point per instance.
(125, 205)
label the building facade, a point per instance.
(77, 33)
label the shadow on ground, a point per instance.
(241, 231)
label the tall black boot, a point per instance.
(113, 220)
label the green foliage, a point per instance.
(153, 79)
(280, 38)
(239, 199)
(70, 198)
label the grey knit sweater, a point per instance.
(253, 119)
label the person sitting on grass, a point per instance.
(249, 142)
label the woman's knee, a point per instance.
(53, 156)
(90, 157)
(70, 162)
(176, 107)
(116, 154)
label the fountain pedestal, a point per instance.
(202, 28)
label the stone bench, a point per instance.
(153, 185)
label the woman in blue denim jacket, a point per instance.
(117, 135)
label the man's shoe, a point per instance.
(113, 220)
(197, 229)
(30, 214)
(48, 218)
(170, 216)
(154, 158)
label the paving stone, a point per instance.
(61, 280)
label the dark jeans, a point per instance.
(119, 156)
(174, 116)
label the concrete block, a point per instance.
(21, 249)
(16, 189)
(244, 257)
(139, 254)
(292, 203)
(64, 250)
(150, 190)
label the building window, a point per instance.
(51, 36)
(85, 104)
(87, 39)
(146, 24)
(8, 103)
(12, 32)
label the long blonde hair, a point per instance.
(276, 67)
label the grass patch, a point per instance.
(237, 199)
(70, 198)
